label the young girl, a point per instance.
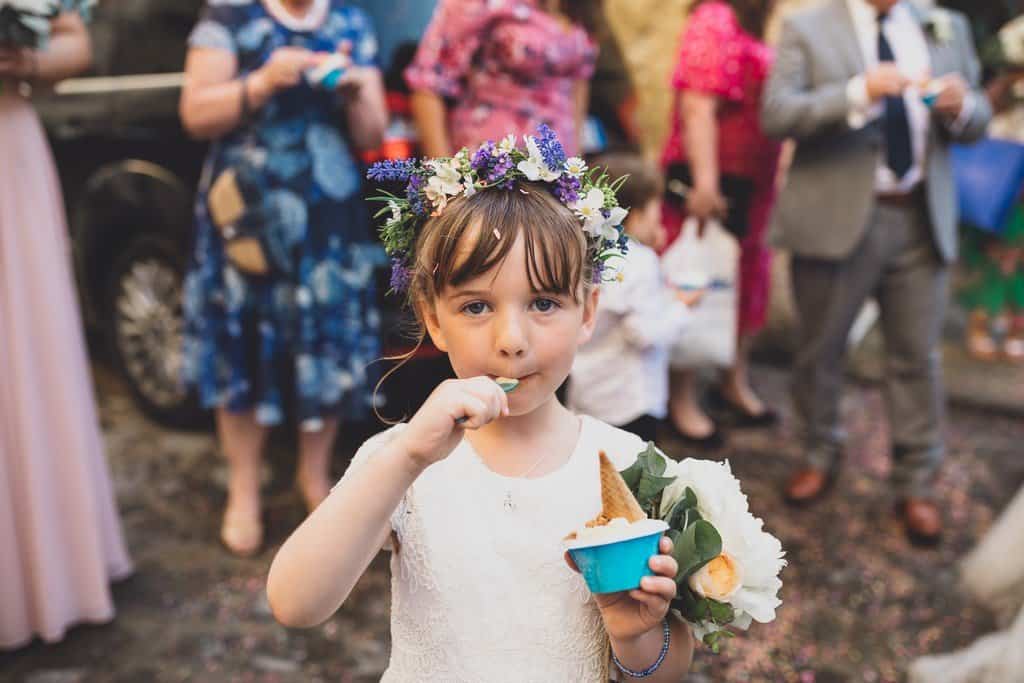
(475, 494)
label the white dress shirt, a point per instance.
(621, 374)
(909, 45)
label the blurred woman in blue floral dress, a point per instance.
(305, 333)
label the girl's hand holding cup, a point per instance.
(457, 404)
(631, 614)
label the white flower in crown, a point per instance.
(575, 166)
(445, 182)
(396, 212)
(590, 209)
(469, 185)
(611, 224)
(507, 145)
(535, 168)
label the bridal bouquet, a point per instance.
(728, 565)
(25, 24)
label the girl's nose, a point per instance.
(511, 337)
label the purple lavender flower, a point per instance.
(598, 271)
(550, 148)
(500, 168)
(391, 171)
(482, 158)
(568, 189)
(401, 275)
(412, 193)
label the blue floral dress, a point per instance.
(305, 335)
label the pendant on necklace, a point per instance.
(509, 505)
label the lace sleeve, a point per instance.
(371, 447)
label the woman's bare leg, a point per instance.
(684, 406)
(312, 475)
(242, 440)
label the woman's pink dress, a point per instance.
(507, 67)
(717, 57)
(60, 537)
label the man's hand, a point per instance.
(885, 80)
(953, 91)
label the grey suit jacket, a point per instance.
(824, 210)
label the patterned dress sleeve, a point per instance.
(711, 53)
(588, 61)
(365, 47)
(215, 27)
(370, 448)
(449, 45)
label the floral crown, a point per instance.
(432, 183)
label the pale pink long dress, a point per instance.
(60, 536)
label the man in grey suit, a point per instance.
(870, 210)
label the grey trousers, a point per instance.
(898, 264)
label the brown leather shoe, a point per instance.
(808, 484)
(922, 519)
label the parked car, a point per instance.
(129, 174)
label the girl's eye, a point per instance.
(545, 305)
(475, 308)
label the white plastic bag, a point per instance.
(712, 260)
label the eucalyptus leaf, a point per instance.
(721, 613)
(632, 475)
(698, 544)
(712, 639)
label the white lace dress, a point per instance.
(480, 591)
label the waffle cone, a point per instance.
(616, 498)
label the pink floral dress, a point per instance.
(719, 58)
(506, 65)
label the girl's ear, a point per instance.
(429, 314)
(590, 301)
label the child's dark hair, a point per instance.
(645, 183)
(474, 234)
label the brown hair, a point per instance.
(474, 234)
(645, 181)
(752, 14)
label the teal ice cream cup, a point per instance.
(618, 563)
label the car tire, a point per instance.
(144, 325)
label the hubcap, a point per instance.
(149, 329)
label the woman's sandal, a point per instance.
(242, 537)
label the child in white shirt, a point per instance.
(621, 375)
(475, 494)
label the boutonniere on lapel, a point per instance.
(939, 26)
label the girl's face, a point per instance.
(495, 324)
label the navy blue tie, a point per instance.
(899, 154)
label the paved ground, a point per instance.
(859, 603)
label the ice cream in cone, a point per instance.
(617, 501)
(613, 549)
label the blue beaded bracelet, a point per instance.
(653, 667)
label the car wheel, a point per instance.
(145, 327)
